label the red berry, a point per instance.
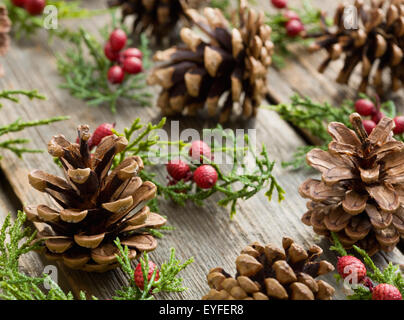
(132, 52)
(291, 15)
(399, 128)
(368, 283)
(118, 39)
(349, 265)
(139, 274)
(34, 7)
(294, 27)
(101, 132)
(369, 125)
(132, 65)
(178, 169)
(280, 4)
(205, 176)
(386, 291)
(365, 107)
(19, 3)
(115, 74)
(199, 149)
(109, 53)
(378, 116)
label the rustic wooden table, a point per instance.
(205, 233)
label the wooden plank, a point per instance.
(198, 231)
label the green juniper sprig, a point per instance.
(234, 183)
(17, 240)
(12, 95)
(312, 20)
(167, 281)
(84, 68)
(15, 145)
(390, 275)
(314, 117)
(26, 25)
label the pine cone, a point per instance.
(160, 16)
(231, 65)
(96, 205)
(267, 272)
(361, 192)
(377, 44)
(5, 26)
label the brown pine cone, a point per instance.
(95, 205)
(224, 69)
(361, 192)
(160, 17)
(5, 26)
(267, 272)
(377, 44)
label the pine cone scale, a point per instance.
(358, 228)
(385, 196)
(354, 203)
(141, 242)
(58, 244)
(76, 261)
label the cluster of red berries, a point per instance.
(128, 60)
(294, 25)
(33, 7)
(205, 176)
(367, 108)
(139, 281)
(349, 266)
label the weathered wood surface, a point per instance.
(205, 233)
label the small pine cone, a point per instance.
(225, 69)
(377, 44)
(96, 205)
(159, 16)
(361, 192)
(5, 26)
(268, 272)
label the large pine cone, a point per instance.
(267, 272)
(96, 205)
(227, 67)
(361, 193)
(158, 16)
(377, 44)
(5, 26)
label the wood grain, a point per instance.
(205, 233)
